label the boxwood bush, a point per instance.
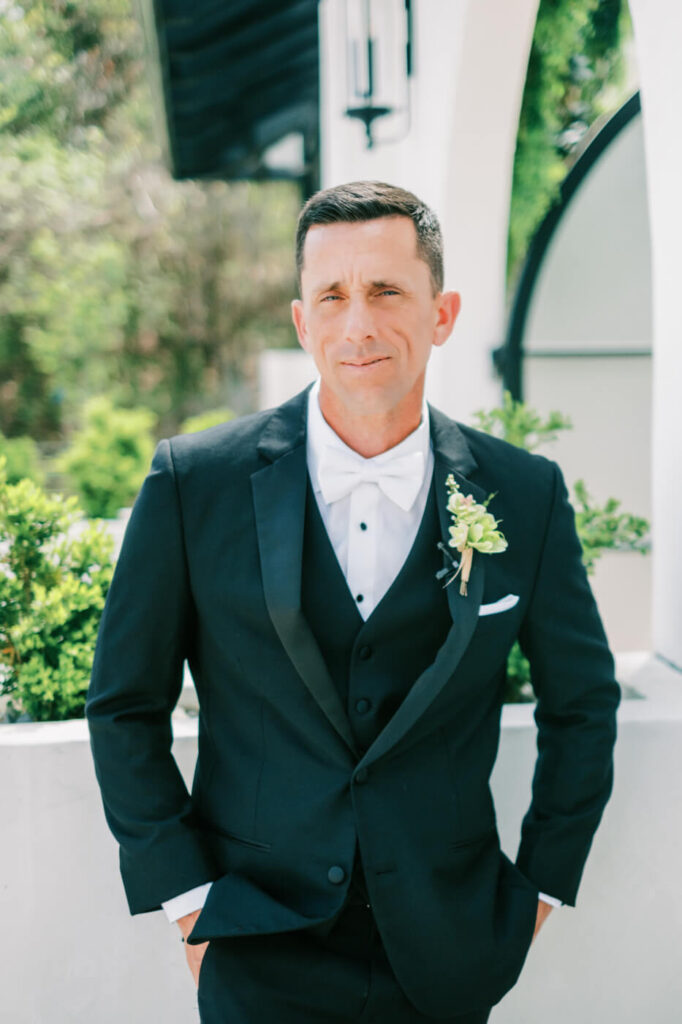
(55, 571)
(109, 456)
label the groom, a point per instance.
(338, 858)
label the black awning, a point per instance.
(237, 76)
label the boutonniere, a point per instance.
(473, 529)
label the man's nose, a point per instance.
(359, 323)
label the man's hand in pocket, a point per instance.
(544, 910)
(194, 954)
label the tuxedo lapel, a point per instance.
(451, 455)
(279, 491)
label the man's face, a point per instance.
(368, 315)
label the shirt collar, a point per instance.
(319, 434)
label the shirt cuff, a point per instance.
(550, 899)
(186, 902)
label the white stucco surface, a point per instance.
(658, 29)
(70, 953)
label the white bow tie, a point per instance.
(399, 478)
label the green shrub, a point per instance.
(23, 459)
(109, 458)
(54, 579)
(598, 527)
(210, 418)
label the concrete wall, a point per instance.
(70, 953)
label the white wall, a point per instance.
(282, 373)
(658, 30)
(593, 294)
(594, 286)
(70, 953)
(469, 70)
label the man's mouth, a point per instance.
(366, 362)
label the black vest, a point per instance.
(374, 663)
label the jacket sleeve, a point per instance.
(572, 672)
(144, 634)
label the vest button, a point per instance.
(336, 874)
(361, 775)
(365, 652)
(362, 706)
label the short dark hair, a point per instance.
(367, 200)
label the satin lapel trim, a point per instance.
(463, 610)
(279, 492)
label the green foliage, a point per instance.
(22, 459)
(599, 528)
(575, 75)
(109, 270)
(54, 576)
(210, 418)
(518, 687)
(109, 457)
(65, 65)
(518, 424)
(602, 527)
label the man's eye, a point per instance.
(325, 297)
(389, 291)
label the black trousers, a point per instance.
(309, 977)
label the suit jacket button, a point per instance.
(361, 775)
(336, 874)
(365, 652)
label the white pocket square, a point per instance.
(508, 601)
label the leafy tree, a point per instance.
(113, 276)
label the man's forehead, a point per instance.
(375, 250)
(363, 233)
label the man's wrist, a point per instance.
(551, 900)
(186, 902)
(186, 923)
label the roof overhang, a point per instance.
(234, 78)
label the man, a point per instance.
(338, 858)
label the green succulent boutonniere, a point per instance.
(473, 529)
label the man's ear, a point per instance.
(449, 305)
(299, 323)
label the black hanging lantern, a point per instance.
(379, 63)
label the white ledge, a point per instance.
(652, 693)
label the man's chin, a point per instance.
(367, 400)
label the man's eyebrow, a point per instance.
(333, 287)
(374, 285)
(386, 284)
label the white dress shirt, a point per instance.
(354, 524)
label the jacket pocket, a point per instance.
(253, 844)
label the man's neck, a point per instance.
(372, 434)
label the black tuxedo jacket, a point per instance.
(210, 571)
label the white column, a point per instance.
(470, 60)
(658, 32)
